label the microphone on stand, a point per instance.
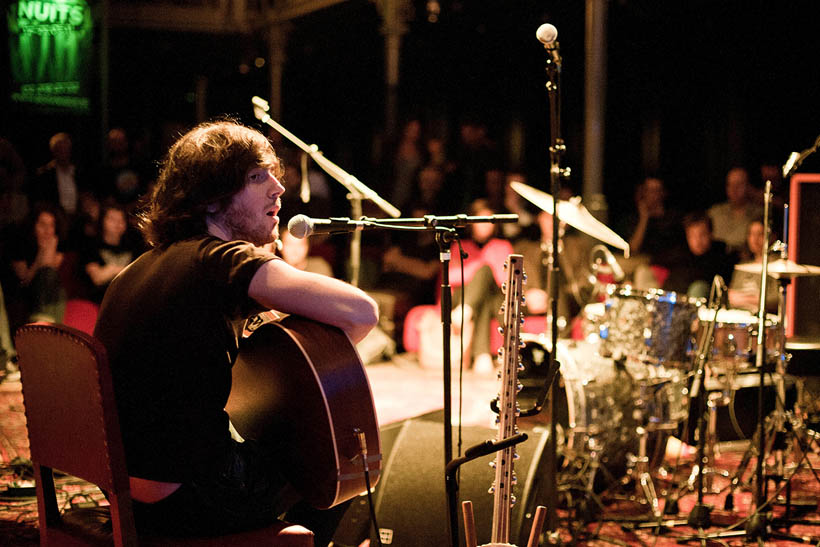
(301, 226)
(547, 34)
(790, 164)
(611, 261)
(717, 293)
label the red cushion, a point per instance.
(81, 314)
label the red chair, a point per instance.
(73, 426)
(81, 314)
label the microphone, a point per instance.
(547, 34)
(609, 258)
(301, 226)
(790, 164)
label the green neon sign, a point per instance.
(50, 47)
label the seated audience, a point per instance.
(410, 264)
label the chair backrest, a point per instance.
(69, 403)
(73, 426)
(72, 420)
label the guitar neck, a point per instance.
(508, 405)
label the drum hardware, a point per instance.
(638, 466)
(770, 438)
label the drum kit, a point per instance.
(627, 385)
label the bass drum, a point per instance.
(602, 403)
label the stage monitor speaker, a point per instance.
(804, 225)
(410, 499)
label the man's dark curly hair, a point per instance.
(206, 166)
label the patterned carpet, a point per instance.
(402, 391)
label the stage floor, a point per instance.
(405, 394)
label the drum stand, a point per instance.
(713, 400)
(639, 465)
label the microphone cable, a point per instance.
(363, 452)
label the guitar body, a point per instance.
(301, 384)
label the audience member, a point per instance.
(120, 176)
(437, 155)
(527, 226)
(428, 197)
(36, 261)
(744, 288)
(483, 276)
(13, 201)
(574, 290)
(110, 252)
(704, 258)
(296, 252)
(475, 154)
(57, 181)
(85, 225)
(407, 162)
(306, 192)
(495, 183)
(731, 217)
(656, 231)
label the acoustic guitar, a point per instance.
(301, 383)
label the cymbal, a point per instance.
(573, 213)
(780, 268)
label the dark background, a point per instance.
(724, 82)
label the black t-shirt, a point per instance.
(692, 268)
(102, 253)
(171, 323)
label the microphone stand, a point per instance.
(357, 190)
(699, 518)
(556, 149)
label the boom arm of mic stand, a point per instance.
(351, 183)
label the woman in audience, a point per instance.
(744, 288)
(36, 262)
(110, 252)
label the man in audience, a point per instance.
(704, 258)
(731, 217)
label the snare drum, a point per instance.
(651, 325)
(735, 339)
(601, 404)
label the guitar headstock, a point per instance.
(510, 360)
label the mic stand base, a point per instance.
(700, 517)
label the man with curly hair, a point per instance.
(171, 322)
